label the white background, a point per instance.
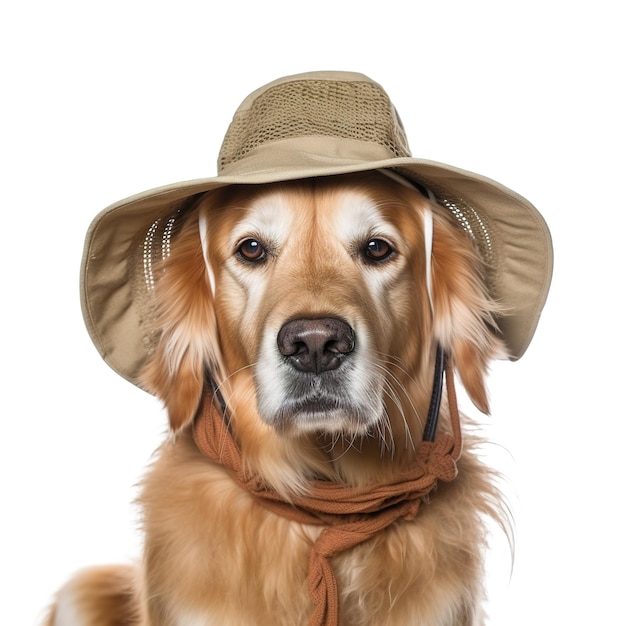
(102, 100)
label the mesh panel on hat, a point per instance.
(150, 249)
(476, 226)
(304, 108)
(481, 230)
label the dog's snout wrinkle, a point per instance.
(316, 345)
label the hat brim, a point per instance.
(518, 237)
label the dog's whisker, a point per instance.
(347, 443)
(353, 439)
(238, 394)
(384, 428)
(391, 391)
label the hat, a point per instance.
(303, 126)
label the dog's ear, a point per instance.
(463, 311)
(186, 324)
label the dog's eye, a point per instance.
(251, 250)
(378, 250)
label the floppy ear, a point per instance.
(186, 322)
(464, 312)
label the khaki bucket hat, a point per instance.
(302, 126)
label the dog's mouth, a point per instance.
(322, 405)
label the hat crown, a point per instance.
(339, 105)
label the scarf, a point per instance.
(350, 515)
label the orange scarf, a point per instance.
(350, 515)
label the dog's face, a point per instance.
(315, 286)
(312, 297)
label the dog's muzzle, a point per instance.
(313, 375)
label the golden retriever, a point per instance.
(308, 305)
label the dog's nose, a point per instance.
(316, 345)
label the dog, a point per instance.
(307, 314)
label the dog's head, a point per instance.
(308, 301)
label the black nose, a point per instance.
(316, 345)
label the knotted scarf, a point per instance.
(350, 515)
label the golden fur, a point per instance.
(212, 555)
